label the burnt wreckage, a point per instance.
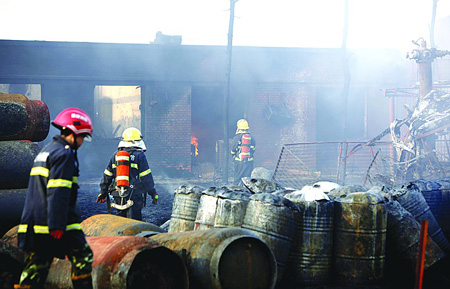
(414, 154)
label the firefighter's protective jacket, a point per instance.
(141, 178)
(51, 197)
(236, 147)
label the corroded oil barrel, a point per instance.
(16, 161)
(119, 262)
(11, 206)
(126, 262)
(112, 225)
(359, 240)
(206, 212)
(310, 258)
(231, 208)
(432, 194)
(11, 264)
(445, 216)
(403, 234)
(410, 197)
(184, 209)
(274, 219)
(23, 119)
(225, 258)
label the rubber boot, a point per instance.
(83, 283)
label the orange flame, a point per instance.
(194, 142)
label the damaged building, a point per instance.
(174, 93)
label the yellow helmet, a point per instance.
(242, 124)
(131, 134)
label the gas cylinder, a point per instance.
(122, 171)
(23, 119)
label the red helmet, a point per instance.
(74, 119)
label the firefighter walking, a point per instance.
(50, 224)
(243, 148)
(128, 177)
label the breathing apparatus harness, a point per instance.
(123, 187)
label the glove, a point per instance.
(101, 198)
(56, 234)
(155, 199)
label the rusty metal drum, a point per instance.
(310, 258)
(126, 262)
(184, 209)
(231, 208)
(445, 216)
(112, 225)
(432, 194)
(274, 219)
(16, 161)
(206, 211)
(23, 119)
(359, 238)
(403, 234)
(410, 197)
(225, 258)
(119, 262)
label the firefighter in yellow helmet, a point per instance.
(128, 177)
(243, 148)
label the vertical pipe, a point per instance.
(226, 98)
(421, 254)
(345, 65)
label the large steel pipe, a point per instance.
(225, 258)
(12, 202)
(16, 161)
(112, 225)
(23, 119)
(120, 262)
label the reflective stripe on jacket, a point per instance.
(50, 202)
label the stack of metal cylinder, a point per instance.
(23, 122)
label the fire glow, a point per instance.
(194, 142)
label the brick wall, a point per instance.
(271, 133)
(167, 127)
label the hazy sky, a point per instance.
(281, 23)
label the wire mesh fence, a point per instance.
(355, 163)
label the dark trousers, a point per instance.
(135, 211)
(38, 264)
(242, 169)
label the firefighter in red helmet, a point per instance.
(128, 177)
(243, 148)
(50, 224)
